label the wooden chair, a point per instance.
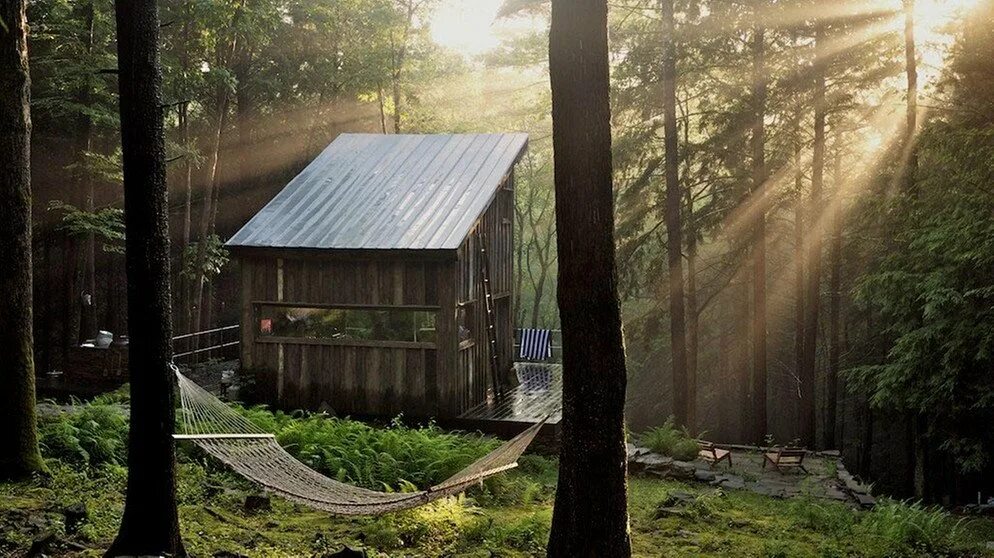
(785, 459)
(712, 455)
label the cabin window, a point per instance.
(347, 324)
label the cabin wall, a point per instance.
(352, 376)
(497, 226)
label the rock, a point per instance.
(347, 552)
(682, 470)
(704, 475)
(733, 482)
(327, 409)
(40, 546)
(865, 500)
(258, 502)
(75, 516)
(651, 463)
(676, 498)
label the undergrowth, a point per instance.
(671, 441)
(508, 516)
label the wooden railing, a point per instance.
(191, 348)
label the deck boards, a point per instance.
(539, 394)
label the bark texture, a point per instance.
(19, 456)
(150, 525)
(591, 515)
(674, 229)
(807, 418)
(759, 357)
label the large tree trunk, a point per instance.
(150, 525)
(807, 418)
(834, 301)
(759, 198)
(591, 514)
(20, 455)
(674, 232)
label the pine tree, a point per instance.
(20, 454)
(150, 526)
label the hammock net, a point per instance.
(256, 455)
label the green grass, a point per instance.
(508, 516)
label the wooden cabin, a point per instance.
(362, 281)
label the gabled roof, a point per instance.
(397, 192)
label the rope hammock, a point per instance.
(257, 456)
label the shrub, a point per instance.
(90, 435)
(670, 441)
(392, 458)
(900, 528)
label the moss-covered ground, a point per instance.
(507, 516)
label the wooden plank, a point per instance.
(248, 319)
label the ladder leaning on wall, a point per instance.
(488, 298)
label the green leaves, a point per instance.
(107, 224)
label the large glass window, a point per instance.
(360, 324)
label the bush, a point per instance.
(394, 458)
(670, 441)
(90, 435)
(903, 529)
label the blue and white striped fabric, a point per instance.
(536, 344)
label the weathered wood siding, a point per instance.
(352, 377)
(474, 355)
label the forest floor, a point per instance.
(76, 510)
(668, 519)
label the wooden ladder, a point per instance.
(488, 298)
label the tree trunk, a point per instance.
(185, 304)
(692, 310)
(591, 514)
(214, 184)
(674, 232)
(20, 456)
(150, 526)
(807, 372)
(759, 77)
(799, 254)
(911, 69)
(88, 313)
(834, 301)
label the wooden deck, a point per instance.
(539, 394)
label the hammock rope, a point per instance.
(256, 455)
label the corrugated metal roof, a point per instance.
(401, 192)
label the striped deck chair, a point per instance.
(536, 344)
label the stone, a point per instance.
(865, 500)
(347, 552)
(651, 463)
(704, 475)
(676, 498)
(733, 482)
(681, 470)
(258, 502)
(75, 515)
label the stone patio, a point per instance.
(827, 476)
